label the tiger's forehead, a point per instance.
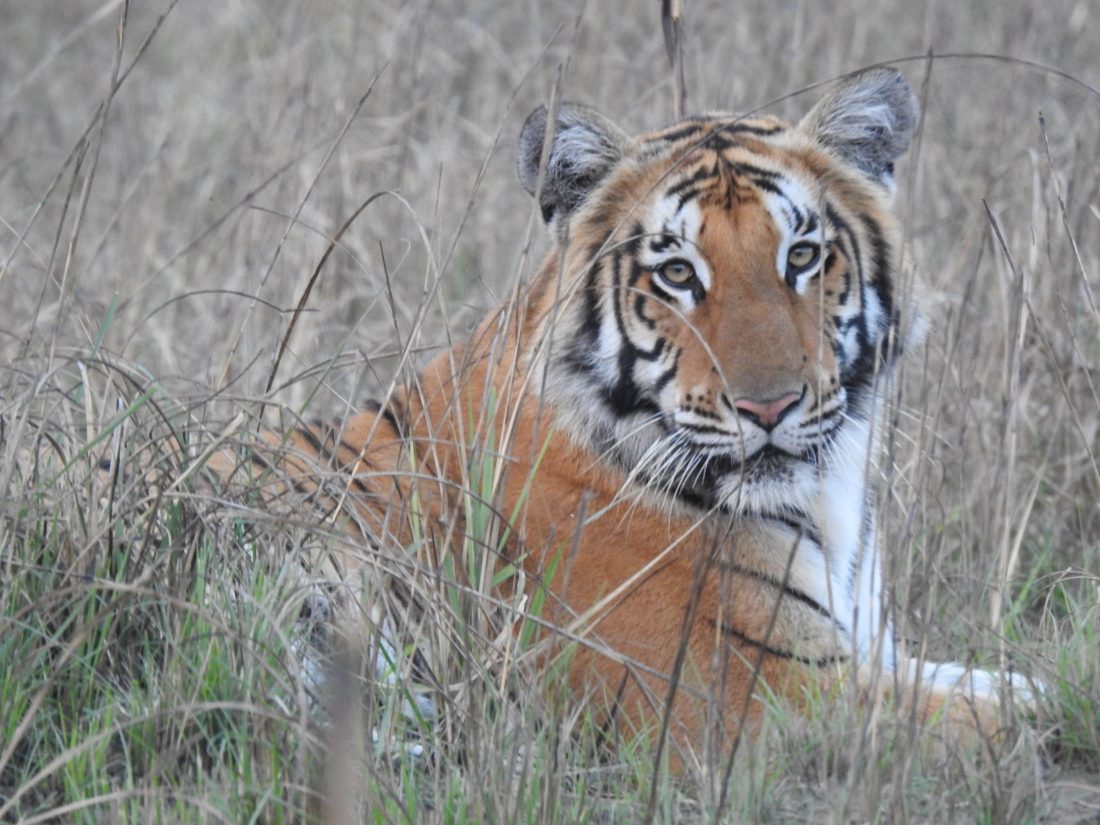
(726, 161)
(717, 130)
(735, 179)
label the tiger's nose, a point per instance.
(766, 414)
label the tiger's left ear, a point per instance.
(869, 121)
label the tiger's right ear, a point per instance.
(585, 147)
(868, 120)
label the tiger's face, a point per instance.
(730, 296)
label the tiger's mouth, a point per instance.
(768, 467)
(704, 472)
(768, 462)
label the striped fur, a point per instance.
(683, 400)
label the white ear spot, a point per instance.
(869, 121)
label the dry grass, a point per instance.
(156, 236)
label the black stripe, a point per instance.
(313, 441)
(590, 314)
(880, 280)
(689, 497)
(727, 137)
(816, 423)
(700, 175)
(729, 630)
(639, 312)
(703, 428)
(666, 376)
(706, 129)
(751, 170)
(768, 186)
(799, 216)
(688, 195)
(386, 413)
(794, 593)
(637, 270)
(855, 259)
(324, 451)
(625, 398)
(699, 127)
(360, 453)
(663, 240)
(690, 130)
(361, 486)
(633, 243)
(591, 321)
(260, 460)
(792, 521)
(660, 292)
(751, 129)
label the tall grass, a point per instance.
(173, 182)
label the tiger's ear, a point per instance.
(868, 121)
(585, 147)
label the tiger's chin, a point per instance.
(771, 482)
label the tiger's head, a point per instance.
(727, 298)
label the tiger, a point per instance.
(680, 410)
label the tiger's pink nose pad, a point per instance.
(767, 413)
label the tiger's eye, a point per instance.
(803, 255)
(677, 272)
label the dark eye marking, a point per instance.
(801, 257)
(677, 273)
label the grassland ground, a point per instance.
(172, 176)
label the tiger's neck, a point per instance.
(831, 510)
(609, 435)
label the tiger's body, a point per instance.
(678, 411)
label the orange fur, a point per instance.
(661, 592)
